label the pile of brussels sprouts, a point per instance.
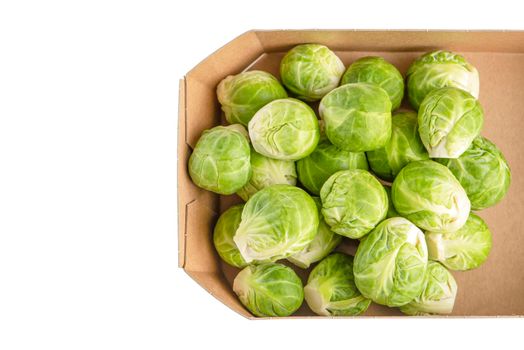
(309, 184)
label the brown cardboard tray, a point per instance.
(494, 289)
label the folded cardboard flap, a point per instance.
(217, 286)
(494, 289)
(182, 156)
(394, 40)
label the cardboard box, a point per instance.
(494, 289)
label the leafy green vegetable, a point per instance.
(269, 289)
(403, 147)
(427, 194)
(277, 222)
(327, 159)
(376, 70)
(331, 289)
(390, 263)
(353, 202)
(438, 294)
(438, 69)
(449, 119)
(223, 233)
(357, 117)
(267, 172)
(464, 249)
(324, 242)
(285, 129)
(220, 162)
(310, 71)
(483, 172)
(242, 95)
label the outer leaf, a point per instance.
(464, 249)
(449, 119)
(438, 69)
(269, 289)
(310, 71)
(220, 161)
(285, 129)
(403, 147)
(324, 242)
(376, 70)
(438, 294)
(353, 202)
(242, 95)
(483, 172)
(357, 117)
(428, 194)
(390, 263)
(277, 222)
(331, 289)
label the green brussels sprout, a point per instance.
(464, 249)
(483, 172)
(242, 95)
(357, 117)
(331, 289)
(392, 212)
(438, 294)
(310, 71)
(277, 222)
(269, 289)
(439, 69)
(220, 161)
(376, 70)
(403, 147)
(267, 172)
(448, 121)
(223, 233)
(285, 129)
(353, 202)
(326, 160)
(427, 193)
(324, 242)
(390, 263)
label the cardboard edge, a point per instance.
(181, 223)
(262, 34)
(193, 70)
(239, 311)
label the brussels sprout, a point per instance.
(438, 294)
(357, 117)
(483, 172)
(403, 147)
(390, 263)
(326, 160)
(269, 289)
(310, 71)
(439, 69)
(353, 202)
(267, 172)
(331, 289)
(427, 193)
(242, 95)
(220, 161)
(225, 228)
(392, 212)
(448, 121)
(464, 249)
(376, 70)
(285, 129)
(277, 222)
(324, 242)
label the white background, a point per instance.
(88, 108)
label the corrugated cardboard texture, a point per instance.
(494, 289)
